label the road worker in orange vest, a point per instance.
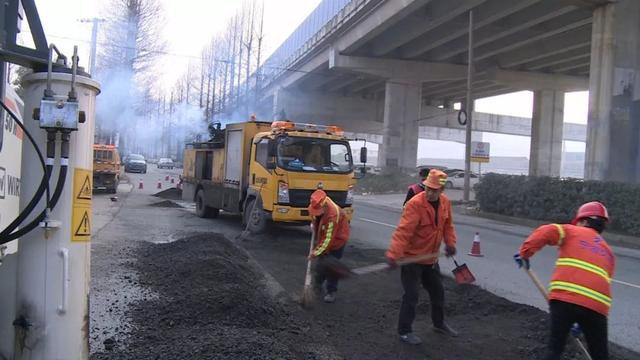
(426, 222)
(580, 288)
(331, 226)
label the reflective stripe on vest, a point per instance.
(561, 233)
(581, 264)
(329, 234)
(581, 290)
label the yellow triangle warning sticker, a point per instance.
(81, 224)
(84, 228)
(85, 189)
(82, 187)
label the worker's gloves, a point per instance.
(449, 251)
(392, 263)
(521, 262)
(575, 330)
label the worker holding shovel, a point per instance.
(426, 220)
(331, 228)
(580, 288)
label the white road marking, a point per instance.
(626, 283)
(393, 226)
(377, 222)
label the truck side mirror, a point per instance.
(363, 154)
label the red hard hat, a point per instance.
(316, 202)
(590, 209)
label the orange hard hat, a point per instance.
(436, 179)
(316, 203)
(591, 209)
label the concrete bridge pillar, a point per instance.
(399, 149)
(613, 129)
(546, 133)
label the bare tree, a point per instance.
(131, 40)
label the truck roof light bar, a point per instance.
(291, 126)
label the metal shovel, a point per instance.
(462, 273)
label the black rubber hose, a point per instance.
(35, 222)
(44, 183)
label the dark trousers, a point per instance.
(593, 325)
(322, 275)
(412, 276)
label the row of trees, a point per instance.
(224, 76)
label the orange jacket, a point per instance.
(332, 229)
(584, 267)
(418, 234)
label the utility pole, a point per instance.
(469, 110)
(94, 41)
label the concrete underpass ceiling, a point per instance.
(551, 37)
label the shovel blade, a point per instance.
(463, 275)
(333, 266)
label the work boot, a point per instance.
(445, 330)
(411, 338)
(330, 297)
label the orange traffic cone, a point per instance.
(475, 248)
(173, 181)
(166, 178)
(159, 184)
(140, 185)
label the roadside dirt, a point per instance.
(170, 194)
(212, 303)
(206, 297)
(362, 322)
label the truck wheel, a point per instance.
(203, 210)
(254, 217)
(113, 191)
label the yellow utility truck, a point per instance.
(267, 171)
(106, 168)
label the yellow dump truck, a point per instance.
(267, 171)
(106, 168)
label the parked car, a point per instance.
(451, 171)
(135, 163)
(456, 180)
(165, 163)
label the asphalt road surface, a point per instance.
(495, 271)
(372, 227)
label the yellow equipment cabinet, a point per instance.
(106, 168)
(267, 171)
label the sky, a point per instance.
(189, 24)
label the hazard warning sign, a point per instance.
(81, 216)
(81, 224)
(82, 186)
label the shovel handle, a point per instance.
(537, 283)
(415, 259)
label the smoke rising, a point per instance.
(141, 123)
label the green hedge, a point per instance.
(553, 199)
(385, 183)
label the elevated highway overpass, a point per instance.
(403, 60)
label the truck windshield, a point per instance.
(314, 155)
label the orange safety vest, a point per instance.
(584, 268)
(332, 229)
(418, 232)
